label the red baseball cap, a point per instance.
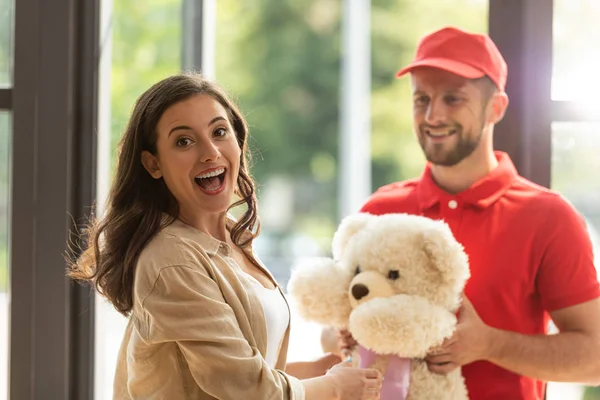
(462, 53)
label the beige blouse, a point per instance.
(197, 328)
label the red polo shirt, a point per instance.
(529, 254)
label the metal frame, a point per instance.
(198, 19)
(522, 30)
(571, 111)
(53, 175)
(354, 132)
(191, 18)
(5, 99)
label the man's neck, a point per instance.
(463, 175)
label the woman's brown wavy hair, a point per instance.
(137, 202)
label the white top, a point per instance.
(277, 316)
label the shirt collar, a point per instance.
(211, 245)
(482, 193)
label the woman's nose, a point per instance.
(209, 152)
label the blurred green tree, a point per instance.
(146, 48)
(591, 393)
(6, 38)
(282, 59)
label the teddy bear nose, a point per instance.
(359, 291)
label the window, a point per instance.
(6, 43)
(396, 153)
(576, 51)
(575, 138)
(6, 61)
(5, 193)
(575, 166)
(283, 62)
(142, 48)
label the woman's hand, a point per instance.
(322, 364)
(355, 383)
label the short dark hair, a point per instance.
(487, 86)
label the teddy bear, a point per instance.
(395, 283)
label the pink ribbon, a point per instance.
(397, 374)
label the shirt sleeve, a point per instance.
(186, 306)
(567, 275)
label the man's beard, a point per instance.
(436, 153)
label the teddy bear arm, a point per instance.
(318, 291)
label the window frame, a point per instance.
(6, 99)
(54, 106)
(53, 102)
(526, 130)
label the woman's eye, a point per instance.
(220, 132)
(183, 142)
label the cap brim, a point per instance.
(455, 67)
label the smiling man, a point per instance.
(530, 255)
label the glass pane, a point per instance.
(5, 193)
(396, 153)
(281, 60)
(576, 50)
(6, 41)
(575, 166)
(143, 47)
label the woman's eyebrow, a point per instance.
(187, 128)
(179, 128)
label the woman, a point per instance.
(206, 319)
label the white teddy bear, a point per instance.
(395, 284)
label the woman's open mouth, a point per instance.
(211, 182)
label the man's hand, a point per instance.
(470, 342)
(336, 341)
(346, 343)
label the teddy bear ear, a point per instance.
(348, 228)
(446, 253)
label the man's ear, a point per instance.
(150, 163)
(499, 103)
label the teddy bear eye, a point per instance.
(394, 274)
(357, 271)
